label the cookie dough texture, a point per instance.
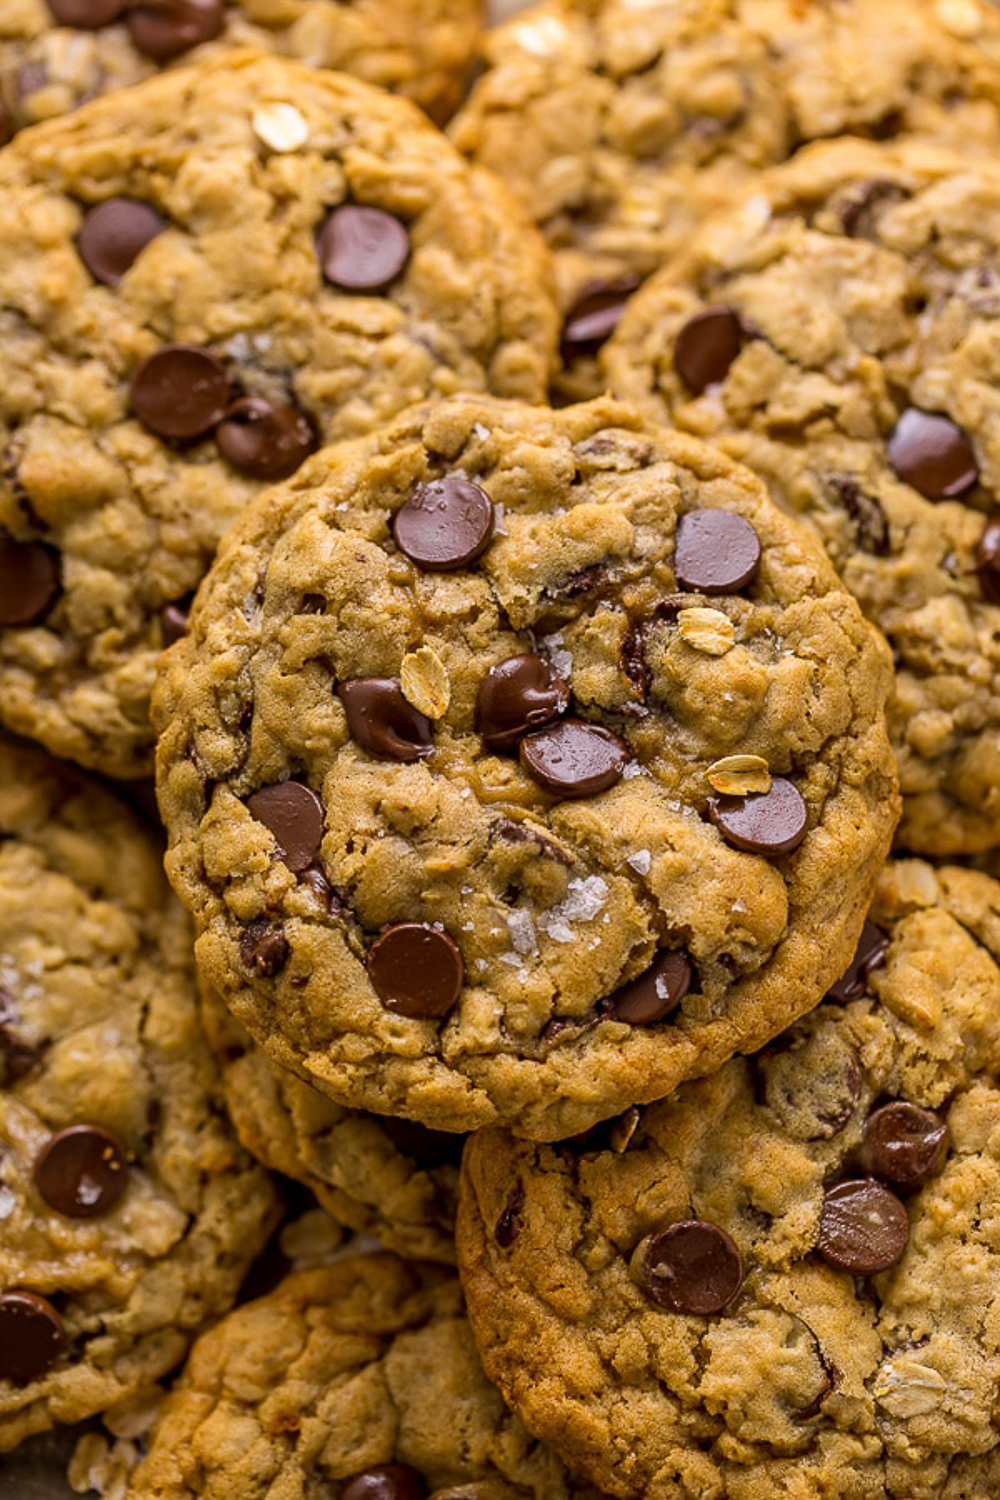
(99, 1026)
(419, 48)
(552, 903)
(243, 185)
(866, 274)
(340, 1369)
(810, 1383)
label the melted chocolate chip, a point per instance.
(928, 451)
(632, 658)
(988, 560)
(706, 346)
(180, 392)
(165, 29)
(716, 552)
(265, 439)
(264, 948)
(574, 759)
(654, 994)
(86, 15)
(594, 316)
(510, 1223)
(295, 816)
(903, 1144)
(691, 1266)
(112, 235)
(860, 207)
(362, 249)
(321, 888)
(444, 525)
(381, 720)
(416, 970)
(871, 525)
(873, 945)
(31, 1337)
(174, 622)
(771, 822)
(82, 1172)
(384, 1482)
(863, 1228)
(29, 580)
(517, 696)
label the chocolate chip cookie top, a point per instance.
(358, 1380)
(861, 283)
(778, 1281)
(185, 316)
(57, 54)
(129, 1212)
(546, 768)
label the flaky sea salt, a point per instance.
(641, 861)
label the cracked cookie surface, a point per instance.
(821, 1373)
(129, 1212)
(431, 823)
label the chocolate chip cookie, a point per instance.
(129, 1212)
(359, 1380)
(838, 333)
(518, 764)
(620, 124)
(202, 278)
(782, 1280)
(57, 54)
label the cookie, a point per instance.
(129, 1211)
(518, 764)
(836, 332)
(782, 1280)
(358, 1379)
(391, 1179)
(619, 125)
(202, 278)
(58, 54)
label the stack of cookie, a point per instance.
(549, 568)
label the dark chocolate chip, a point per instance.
(594, 316)
(264, 948)
(31, 1337)
(87, 15)
(903, 1144)
(265, 439)
(444, 525)
(180, 392)
(82, 1171)
(16, 1058)
(928, 451)
(860, 206)
(873, 945)
(988, 560)
(517, 696)
(174, 622)
(871, 525)
(632, 658)
(29, 580)
(706, 346)
(416, 970)
(715, 552)
(381, 720)
(863, 1228)
(384, 1482)
(362, 249)
(165, 29)
(317, 882)
(510, 1222)
(112, 235)
(691, 1266)
(771, 822)
(295, 816)
(574, 759)
(654, 994)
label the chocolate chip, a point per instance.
(517, 696)
(264, 949)
(174, 622)
(113, 233)
(903, 1144)
(164, 29)
(416, 970)
(771, 822)
(510, 1223)
(574, 759)
(861, 204)
(384, 1482)
(594, 316)
(715, 552)
(29, 580)
(873, 945)
(265, 439)
(632, 658)
(82, 1171)
(444, 525)
(180, 392)
(86, 15)
(362, 249)
(655, 993)
(988, 560)
(691, 1266)
(317, 882)
(871, 525)
(928, 451)
(31, 1337)
(863, 1228)
(16, 1057)
(295, 816)
(706, 346)
(382, 722)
